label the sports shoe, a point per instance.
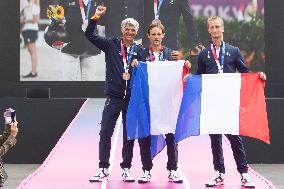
(30, 75)
(246, 181)
(145, 178)
(218, 179)
(126, 176)
(101, 175)
(174, 177)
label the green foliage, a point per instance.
(247, 35)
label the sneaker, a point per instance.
(102, 175)
(126, 176)
(145, 178)
(174, 177)
(30, 75)
(218, 179)
(246, 182)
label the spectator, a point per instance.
(7, 141)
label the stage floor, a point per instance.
(75, 158)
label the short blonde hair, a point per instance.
(156, 23)
(130, 22)
(215, 18)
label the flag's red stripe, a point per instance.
(253, 115)
(185, 71)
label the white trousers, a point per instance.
(78, 67)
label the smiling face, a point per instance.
(216, 28)
(128, 33)
(156, 36)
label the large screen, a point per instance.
(244, 27)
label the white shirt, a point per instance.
(217, 52)
(29, 12)
(156, 55)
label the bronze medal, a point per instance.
(126, 76)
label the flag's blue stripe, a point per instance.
(138, 114)
(158, 143)
(188, 123)
(145, 88)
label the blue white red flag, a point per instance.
(223, 104)
(156, 93)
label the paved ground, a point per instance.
(273, 172)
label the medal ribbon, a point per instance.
(83, 14)
(126, 60)
(161, 54)
(157, 8)
(219, 64)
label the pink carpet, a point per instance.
(75, 158)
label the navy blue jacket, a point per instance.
(233, 61)
(115, 85)
(145, 56)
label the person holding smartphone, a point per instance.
(7, 139)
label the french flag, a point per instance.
(229, 103)
(156, 94)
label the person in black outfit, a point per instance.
(119, 53)
(118, 10)
(79, 54)
(169, 12)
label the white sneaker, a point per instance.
(126, 176)
(101, 175)
(174, 177)
(145, 178)
(246, 181)
(217, 179)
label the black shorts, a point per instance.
(30, 36)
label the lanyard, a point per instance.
(219, 64)
(127, 59)
(157, 8)
(161, 54)
(84, 15)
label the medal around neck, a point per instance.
(126, 76)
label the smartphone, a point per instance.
(10, 116)
(13, 116)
